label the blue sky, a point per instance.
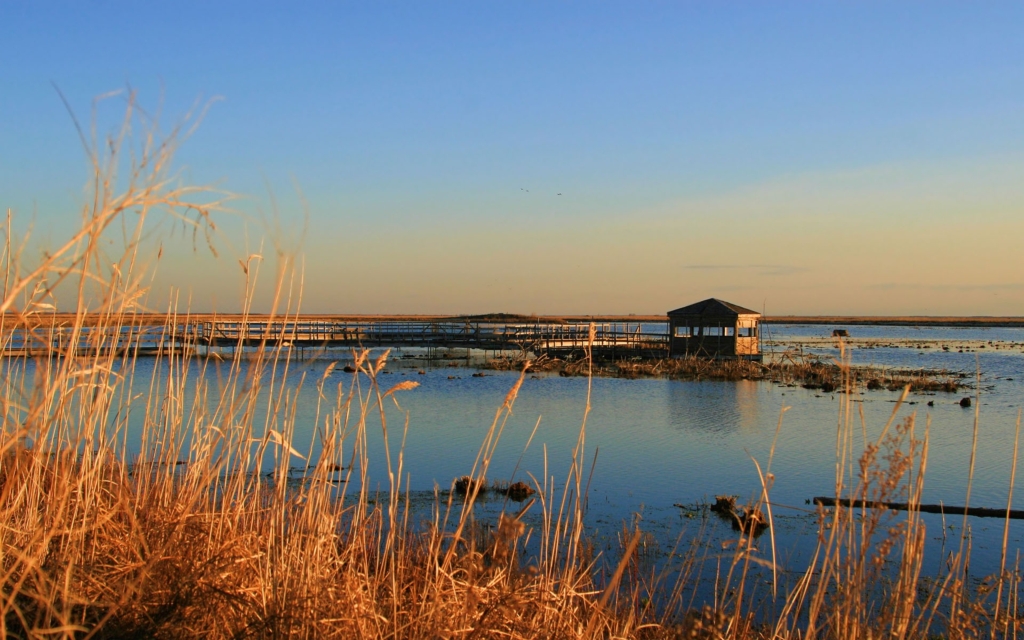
(800, 157)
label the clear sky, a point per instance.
(541, 157)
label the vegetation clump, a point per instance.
(467, 485)
(808, 373)
(724, 505)
(518, 490)
(751, 521)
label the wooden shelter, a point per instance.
(715, 329)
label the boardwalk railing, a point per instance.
(479, 335)
(143, 338)
(537, 337)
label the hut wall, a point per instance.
(747, 341)
(747, 347)
(713, 337)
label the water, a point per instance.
(661, 443)
(667, 441)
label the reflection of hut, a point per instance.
(714, 328)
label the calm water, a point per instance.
(660, 443)
(664, 441)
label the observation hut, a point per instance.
(714, 328)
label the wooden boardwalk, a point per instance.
(159, 335)
(644, 336)
(537, 337)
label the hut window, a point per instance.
(729, 331)
(748, 332)
(712, 331)
(683, 332)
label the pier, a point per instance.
(537, 337)
(210, 334)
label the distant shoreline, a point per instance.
(899, 321)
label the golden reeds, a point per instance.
(198, 531)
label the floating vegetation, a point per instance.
(724, 505)
(751, 521)
(517, 491)
(468, 486)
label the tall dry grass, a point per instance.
(198, 531)
(188, 535)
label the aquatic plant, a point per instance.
(809, 372)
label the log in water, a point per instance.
(980, 512)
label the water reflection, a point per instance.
(715, 407)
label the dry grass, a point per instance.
(189, 536)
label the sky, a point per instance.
(547, 157)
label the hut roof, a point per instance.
(713, 307)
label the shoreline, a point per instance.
(901, 321)
(160, 319)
